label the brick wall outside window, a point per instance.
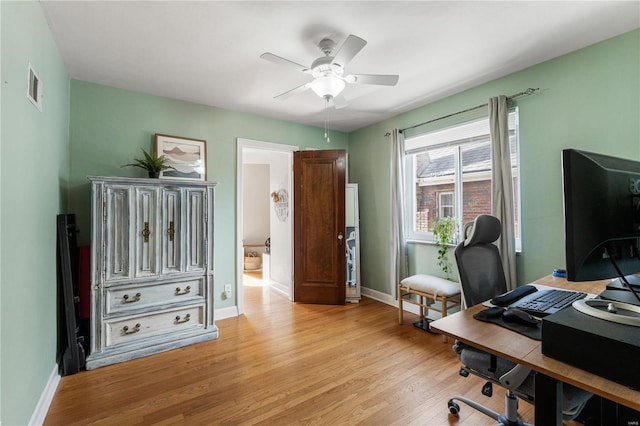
(477, 200)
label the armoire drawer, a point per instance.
(121, 331)
(126, 298)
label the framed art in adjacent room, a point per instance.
(187, 156)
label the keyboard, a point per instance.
(547, 302)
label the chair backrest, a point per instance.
(479, 262)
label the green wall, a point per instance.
(109, 127)
(33, 186)
(588, 99)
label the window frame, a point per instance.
(411, 154)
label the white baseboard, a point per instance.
(379, 296)
(229, 312)
(40, 412)
(280, 288)
(390, 300)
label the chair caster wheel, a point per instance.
(454, 408)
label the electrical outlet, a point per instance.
(227, 288)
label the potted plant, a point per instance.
(444, 230)
(151, 163)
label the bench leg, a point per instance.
(400, 312)
(444, 314)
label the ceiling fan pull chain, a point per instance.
(326, 119)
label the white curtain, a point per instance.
(399, 260)
(502, 185)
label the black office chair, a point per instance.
(482, 278)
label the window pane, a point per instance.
(446, 198)
(476, 179)
(434, 185)
(446, 211)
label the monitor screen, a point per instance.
(602, 215)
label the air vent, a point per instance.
(34, 89)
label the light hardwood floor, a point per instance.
(284, 363)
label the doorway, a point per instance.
(277, 160)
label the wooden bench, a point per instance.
(428, 289)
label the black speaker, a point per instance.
(602, 347)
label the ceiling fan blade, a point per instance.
(379, 79)
(350, 48)
(293, 91)
(339, 102)
(280, 60)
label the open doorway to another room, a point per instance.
(265, 222)
(255, 219)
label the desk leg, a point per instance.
(548, 401)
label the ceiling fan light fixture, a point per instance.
(328, 86)
(327, 71)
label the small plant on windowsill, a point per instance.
(444, 229)
(151, 163)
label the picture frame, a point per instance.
(186, 155)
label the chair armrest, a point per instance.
(514, 377)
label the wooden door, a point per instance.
(319, 226)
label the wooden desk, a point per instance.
(523, 350)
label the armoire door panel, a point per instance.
(171, 230)
(117, 229)
(195, 229)
(147, 231)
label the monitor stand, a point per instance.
(633, 280)
(618, 291)
(618, 312)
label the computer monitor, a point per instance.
(602, 216)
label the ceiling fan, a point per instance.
(329, 79)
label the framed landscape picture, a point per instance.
(187, 156)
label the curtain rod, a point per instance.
(527, 92)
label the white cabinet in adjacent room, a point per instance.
(352, 223)
(152, 274)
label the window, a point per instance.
(446, 207)
(449, 174)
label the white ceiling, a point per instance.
(208, 52)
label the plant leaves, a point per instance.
(150, 163)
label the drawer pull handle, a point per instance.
(125, 329)
(146, 232)
(136, 298)
(185, 319)
(171, 231)
(180, 292)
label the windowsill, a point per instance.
(433, 243)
